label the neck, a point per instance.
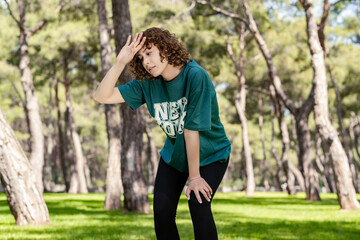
(171, 72)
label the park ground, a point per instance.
(264, 216)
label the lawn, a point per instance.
(264, 216)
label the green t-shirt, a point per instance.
(188, 101)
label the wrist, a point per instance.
(119, 65)
(191, 178)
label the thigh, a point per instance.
(169, 183)
(214, 173)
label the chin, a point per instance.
(155, 74)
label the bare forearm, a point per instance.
(192, 143)
(106, 87)
(196, 183)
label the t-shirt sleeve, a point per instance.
(132, 94)
(198, 116)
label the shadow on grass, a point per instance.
(83, 217)
(261, 228)
(267, 201)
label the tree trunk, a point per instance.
(49, 159)
(240, 104)
(78, 182)
(294, 169)
(250, 182)
(353, 137)
(32, 106)
(294, 136)
(285, 141)
(50, 156)
(61, 146)
(153, 157)
(343, 134)
(113, 174)
(24, 198)
(328, 170)
(345, 188)
(87, 174)
(306, 158)
(298, 175)
(77, 178)
(135, 193)
(264, 165)
(278, 175)
(320, 159)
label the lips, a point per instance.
(150, 68)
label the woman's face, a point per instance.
(151, 61)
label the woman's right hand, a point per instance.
(129, 50)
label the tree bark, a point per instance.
(78, 182)
(285, 141)
(113, 174)
(320, 160)
(77, 164)
(31, 102)
(321, 27)
(357, 133)
(240, 104)
(344, 135)
(87, 174)
(278, 175)
(294, 169)
(264, 164)
(328, 170)
(305, 150)
(61, 146)
(50, 155)
(24, 198)
(298, 175)
(345, 188)
(135, 193)
(306, 160)
(354, 124)
(152, 159)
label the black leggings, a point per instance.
(169, 184)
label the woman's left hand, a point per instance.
(199, 185)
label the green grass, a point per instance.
(265, 216)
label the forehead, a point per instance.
(144, 48)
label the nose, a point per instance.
(145, 61)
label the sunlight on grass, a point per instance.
(264, 216)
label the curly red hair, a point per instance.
(169, 47)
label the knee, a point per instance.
(163, 206)
(194, 203)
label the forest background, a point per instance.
(65, 64)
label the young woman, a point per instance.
(180, 96)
